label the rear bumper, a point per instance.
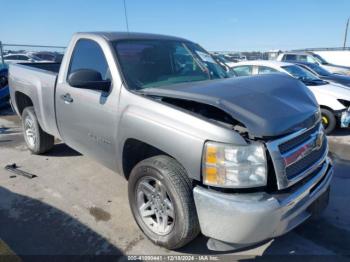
(247, 219)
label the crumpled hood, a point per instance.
(268, 105)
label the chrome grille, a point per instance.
(297, 155)
(289, 145)
(302, 165)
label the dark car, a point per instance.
(324, 74)
(4, 88)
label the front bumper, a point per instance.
(247, 219)
(345, 119)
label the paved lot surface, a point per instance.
(76, 206)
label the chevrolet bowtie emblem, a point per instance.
(315, 143)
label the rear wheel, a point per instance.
(37, 140)
(328, 120)
(161, 200)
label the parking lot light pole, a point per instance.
(346, 32)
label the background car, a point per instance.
(236, 57)
(325, 74)
(49, 56)
(223, 59)
(4, 88)
(313, 58)
(23, 58)
(334, 99)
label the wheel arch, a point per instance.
(134, 151)
(22, 101)
(327, 107)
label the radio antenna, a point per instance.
(126, 17)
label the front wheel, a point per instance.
(37, 140)
(328, 120)
(161, 201)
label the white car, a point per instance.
(334, 99)
(22, 58)
(311, 57)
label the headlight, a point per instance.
(226, 165)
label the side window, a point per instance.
(310, 59)
(245, 70)
(289, 58)
(266, 70)
(302, 58)
(88, 54)
(22, 57)
(10, 57)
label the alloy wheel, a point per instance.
(155, 206)
(30, 131)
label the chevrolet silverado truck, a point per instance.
(241, 160)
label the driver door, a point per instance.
(86, 118)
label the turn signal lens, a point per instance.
(211, 155)
(211, 175)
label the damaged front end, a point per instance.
(256, 192)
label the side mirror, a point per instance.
(88, 79)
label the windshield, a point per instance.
(319, 70)
(320, 59)
(301, 74)
(155, 63)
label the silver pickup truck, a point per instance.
(241, 160)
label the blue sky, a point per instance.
(216, 25)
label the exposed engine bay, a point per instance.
(208, 111)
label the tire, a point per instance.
(36, 139)
(184, 226)
(328, 120)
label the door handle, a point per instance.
(67, 98)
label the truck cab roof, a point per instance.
(116, 36)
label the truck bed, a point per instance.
(52, 67)
(38, 82)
